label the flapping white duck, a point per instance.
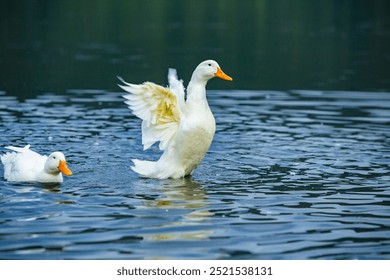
(25, 165)
(184, 126)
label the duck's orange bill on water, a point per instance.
(222, 75)
(64, 168)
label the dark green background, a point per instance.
(52, 46)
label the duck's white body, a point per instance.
(184, 127)
(24, 165)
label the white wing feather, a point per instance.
(177, 87)
(159, 109)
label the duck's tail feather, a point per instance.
(8, 156)
(145, 168)
(17, 149)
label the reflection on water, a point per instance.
(290, 175)
(180, 194)
(51, 187)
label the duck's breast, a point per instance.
(194, 138)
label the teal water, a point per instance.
(299, 166)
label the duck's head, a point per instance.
(209, 69)
(56, 163)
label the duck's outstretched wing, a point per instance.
(177, 87)
(159, 109)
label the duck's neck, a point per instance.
(44, 176)
(196, 90)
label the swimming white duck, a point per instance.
(185, 127)
(28, 166)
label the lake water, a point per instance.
(299, 166)
(290, 175)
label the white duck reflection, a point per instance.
(181, 194)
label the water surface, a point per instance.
(290, 175)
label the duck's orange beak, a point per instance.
(64, 168)
(222, 75)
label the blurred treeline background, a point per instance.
(52, 46)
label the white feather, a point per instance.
(159, 110)
(177, 87)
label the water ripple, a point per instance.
(290, 175)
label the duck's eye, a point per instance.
(54, 157)
(209, 64)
